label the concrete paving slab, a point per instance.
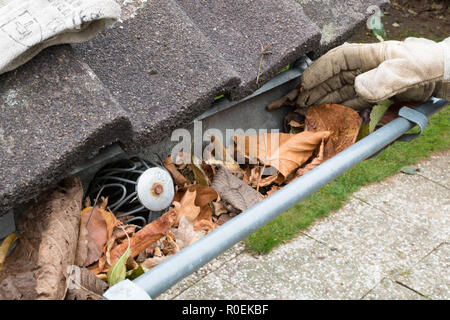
(414, 200)
(203, 272)
(431, 276)
(388, 289)
(377, 242)
(238, 29)
(160, 68)
(437, 168)
(214, 287)
(300, 269)
(55, 113)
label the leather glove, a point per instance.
(358, 75)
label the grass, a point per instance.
(436, 137)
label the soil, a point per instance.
(412, 18)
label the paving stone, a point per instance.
(388, 289)
(300, 269)
(381, 243)
(238, 28)
(214, 287)
(160, 68)
(55, 114)
(204, 271)
(437, 168)
(338, 20)
(431, 276)
(413, 200)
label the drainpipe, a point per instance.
(162, 277)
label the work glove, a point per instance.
(359, 75)
(29, 26)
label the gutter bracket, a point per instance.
(415, 117)
(412, 116)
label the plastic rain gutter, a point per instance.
(162, 277)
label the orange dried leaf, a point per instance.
(179, 179)
(283, 151)
(145, 237)
(342, 122)
(99, 228)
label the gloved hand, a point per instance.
(29, 26)
(358, 75)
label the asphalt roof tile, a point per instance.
(54, 113)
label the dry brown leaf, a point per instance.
(99, 227)
(178, 178)
(234, 191)
(317, 161)
(186, 207)
(82, 246)
(5, 246)
(37, 267)
(85, 285)
(185, 234)
(287, 100)
(283, 151)
(272, 190)
(153, 262)
(223, 219)
(222, 156)
(342, 122)
(204, 219)
(219, 207)
(145, 237)
(392, 112)
(294, 122)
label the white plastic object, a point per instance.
(126, 290)
(155, 189)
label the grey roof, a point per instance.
(148, 75)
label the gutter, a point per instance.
(162, 277)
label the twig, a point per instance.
(264, 52)
(95, 202)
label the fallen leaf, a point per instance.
(393, 111)
(145, 237)
(6, 245)
(204, 219)
(341, 122)
(84, 285)
(185, 234)
(178, 178)
(99, 224)
(219, 208)
(272, 190)
(234, 191)
(287, 100)
(118, 271)
(199, 173)
(37, 267)
(283, 151)
(377, 113)
(223, 219)
(221, 155)
(82, 246)
(153, 262)
(186, 207)
(135, 273)
(294, 122)
(409, 170)
(317, 161)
